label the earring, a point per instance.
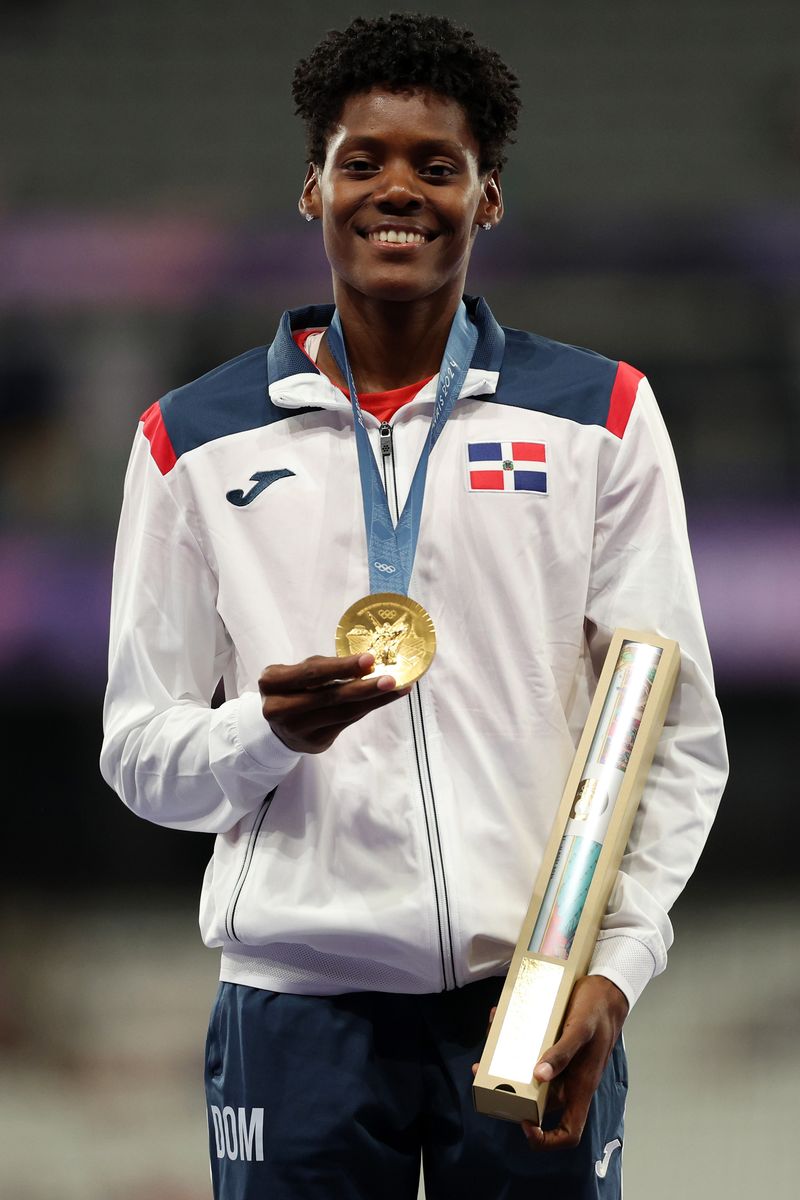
(308, 217)
(487, 225)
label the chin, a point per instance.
(393, 287)
(397, 294)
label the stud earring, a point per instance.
(308, 217)
(487, 225)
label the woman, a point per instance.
(372, 868)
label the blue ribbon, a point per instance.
(391, 548)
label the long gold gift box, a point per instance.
(578, 870)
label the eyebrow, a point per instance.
(426, 146)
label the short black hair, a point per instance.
(400, 51)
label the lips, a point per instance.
(398, 235)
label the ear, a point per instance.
(310, 203)
(490, 210)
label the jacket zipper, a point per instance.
(424, 776)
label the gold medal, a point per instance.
(397, 630)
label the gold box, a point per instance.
(578, 870)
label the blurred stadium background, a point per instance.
(149, 169)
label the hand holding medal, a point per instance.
(308, 704)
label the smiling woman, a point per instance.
(377, 830)
(407, 121)
(401, 197)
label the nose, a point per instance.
(398, 188)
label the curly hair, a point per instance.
(400, 51)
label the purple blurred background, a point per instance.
(148, 231)
(150, 164)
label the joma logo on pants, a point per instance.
(236, 1138)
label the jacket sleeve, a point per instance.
(642, 578)
(171, 757)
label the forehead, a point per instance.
(412, 113)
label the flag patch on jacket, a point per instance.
(507, 467)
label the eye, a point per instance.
(438, 170)
(358, 166)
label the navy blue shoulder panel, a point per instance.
(534, 372)
(550, 377)
(230, 399)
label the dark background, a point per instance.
(148, 231)
(150, 164)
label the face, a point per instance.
(401, 196)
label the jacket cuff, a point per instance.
(258, 740)
(626, 962)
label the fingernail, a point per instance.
(544, 1071)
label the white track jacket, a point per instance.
(402, 859)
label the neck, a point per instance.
(390, 343)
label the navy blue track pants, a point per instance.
(337, 1097)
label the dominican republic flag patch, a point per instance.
(507, 467)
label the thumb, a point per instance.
(560, 1055)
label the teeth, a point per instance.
(399, 236)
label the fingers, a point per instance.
(318, 683)
(564, 1136)
(571, 1090)
(318, 671)
(559, 1056)
(567, 1132)
(334, 714)
(309, 704)
(565, 1120)
(568, 1097)
(329, 704)
(575, 1065)
(589, 1016)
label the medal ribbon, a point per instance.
(391, 548)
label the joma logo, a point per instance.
(235, 1137)
(262, 480)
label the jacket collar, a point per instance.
(295, 382)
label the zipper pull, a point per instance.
(386, 439)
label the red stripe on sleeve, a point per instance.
(528, 451)
(623, 395)
(155, 431)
